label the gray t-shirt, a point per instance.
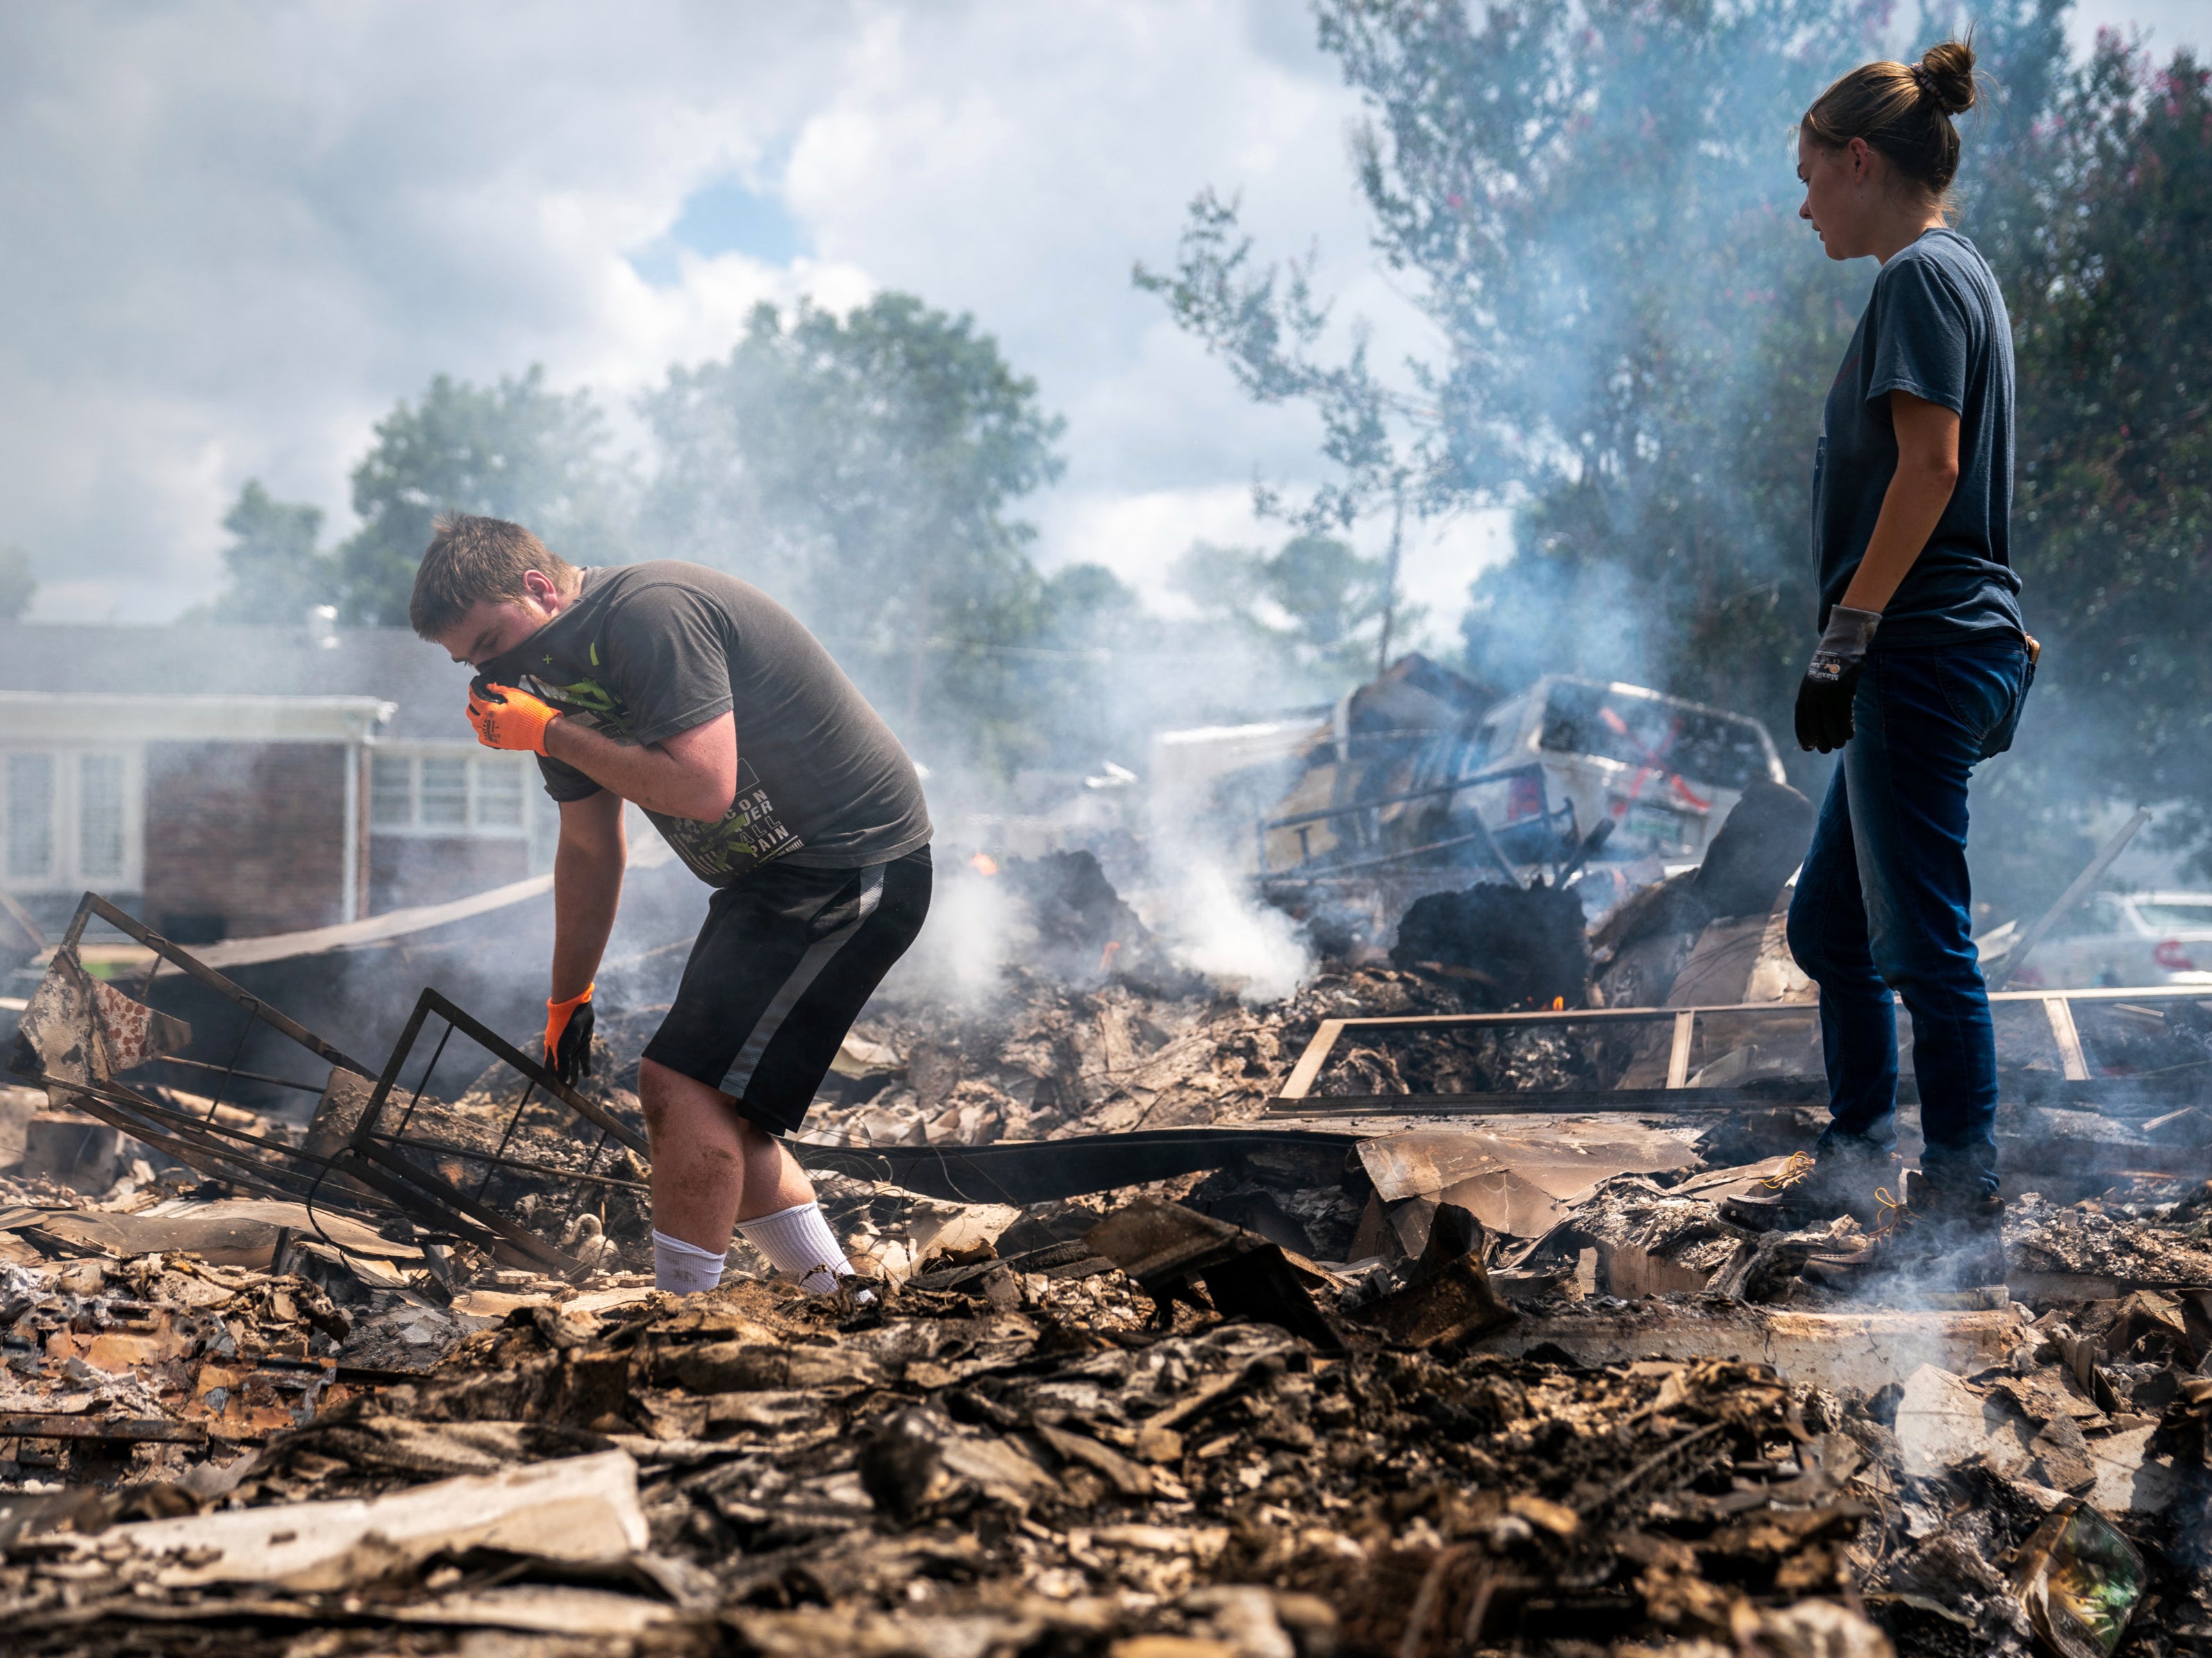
(1935, 327)
(649, 650)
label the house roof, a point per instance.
(230, 659)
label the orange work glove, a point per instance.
(506, 718)
(568, 1035)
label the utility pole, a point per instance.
(1390, 572)
(918, 664)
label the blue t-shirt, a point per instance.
(1934, 326)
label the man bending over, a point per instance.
(707, 702)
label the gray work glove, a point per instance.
(1823, 699)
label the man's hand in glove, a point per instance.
(568, 1036)
(1824, 697)
(506, 718)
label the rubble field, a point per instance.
(1138, 1366)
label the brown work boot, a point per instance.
(1815, 1188)
(1937, 1239)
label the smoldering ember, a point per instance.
(1428, 1308)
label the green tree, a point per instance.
(514, 451)
(1594, 202)
(863, 469)
(17, 584)
(276, 573)
(1315, 606)
(2113, 518)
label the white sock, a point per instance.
(684, 1267)
(799, 1240)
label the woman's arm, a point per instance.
(1927, 472)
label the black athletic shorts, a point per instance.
(786, 960)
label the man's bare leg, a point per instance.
(713, 1171)
(711, 1168)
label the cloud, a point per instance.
(236, 233)
(239, 233)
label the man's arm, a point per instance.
(1927, 472)
(587, 877)
(693, 773)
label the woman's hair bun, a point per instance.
(1945, 73)
(1903, 110)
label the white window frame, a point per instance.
(66, 872)
(480, 761)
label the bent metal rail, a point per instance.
(2076, 1085)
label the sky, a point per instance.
(233, 235)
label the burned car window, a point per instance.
(1643, 730)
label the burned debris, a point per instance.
(1063, 1460)
(1387, 1319)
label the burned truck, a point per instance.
(1422, 780)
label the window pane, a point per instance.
(445, 793)
(499, 793)
(391, 790)
(30, 816)
(99, 817)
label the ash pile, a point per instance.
(1166, 1436)
(1196, 1328)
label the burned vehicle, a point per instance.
(1567, 754)
(2116, 939)
(1422, 780)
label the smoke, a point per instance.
(1213, 925)
(975, 929)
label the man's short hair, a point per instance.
(470, 560)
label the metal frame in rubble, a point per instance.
(1367, 814)
(390, 1151)
(2075, 1086)
(198, 1138)
(368, 1173)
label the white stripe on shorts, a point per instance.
(801, 980)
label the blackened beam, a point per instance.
(1480, 837)
(136, 1430)
(2056, 1092)
(1546, 1103)
(1021, 1172)
(2075, 1087)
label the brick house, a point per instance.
(228, 782)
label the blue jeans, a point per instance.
(1882, 905)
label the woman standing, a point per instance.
(1922, 666)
